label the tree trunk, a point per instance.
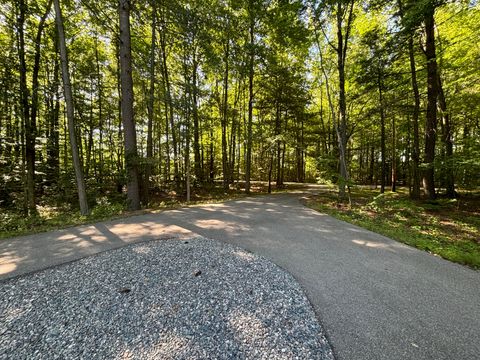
(270, 167)
(416, 136)
(130, 138)
(415, 193)
(225, 160)
(278, 129)
(100, 118)
(394, 156)
(169, 101)
(447, 141)
(432, 95)
(341, 126)
(53, 150)
(251, 64)
(372, 164)
(30, 127)
(82, 194)
(382, 138)
(150, 108)
(196, 123)
(211, 162)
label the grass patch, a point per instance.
(445, 227)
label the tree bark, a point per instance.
(382, 138)
(169, 101)
(251, 64)
(196, 122)
(341, 127)
(67, 88)
(415, 193)
(394, 156)
(130, 137)
(225, 161)
(416, 113)
(53, 150)
(150, 107)
(432, 95)
(447, 141)
(101, 162)
(30, 128)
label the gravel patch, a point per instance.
(166, 299)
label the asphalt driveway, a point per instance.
(376, 298)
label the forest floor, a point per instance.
(112, 206)
(449, 228)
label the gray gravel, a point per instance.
(168, 299)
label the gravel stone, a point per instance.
(142, 302)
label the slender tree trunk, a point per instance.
(130, 137)
(341, 126)
(382, 138)
(278, 130)
(35, 87)
(432, 95)
(447, 141)
(372, 164)
(270, 167)
(169, 100)
(225, 160)
(150, 107)
(82, 194)
(416, 133)
(415, 193)
(212, 156)
(30, 128)
(187, 151)
(100, 117)
(196, 123)
(53, 150)
(394, 156)
(251, 64)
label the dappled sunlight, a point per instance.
(142, 250)
(67, 237)
(249, 329)
(370, 244)
(391, 247)
(7, 268)
(214, 224)
(43, 250)
(149, 228)
(210, 207)
(244, 255)
(9, 262)
(247, 326)
(170, 343)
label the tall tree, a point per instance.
(415, 186)
(151, 104)
(67, 89)
(25, 111)
(251, 73)
(130, 135)
(432, 96)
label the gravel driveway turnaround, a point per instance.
(168, 299)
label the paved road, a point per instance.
(376, 298)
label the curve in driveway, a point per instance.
(377, 299)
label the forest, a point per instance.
(114, 103)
